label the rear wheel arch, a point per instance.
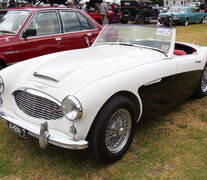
(201, 90)
(203, 20)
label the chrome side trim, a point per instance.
(11, 52)
(153, 82)
(44, 136)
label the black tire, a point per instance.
(124, 21)
(140, 19)
(186, 22)
(107, 129)
(126, 16)
(203, 20)
(202, 87)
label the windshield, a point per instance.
(135, 35)
(176, 10)
(11, 21)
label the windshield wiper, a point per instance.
(129, 44)
(156, 49)
(5, 31)
(126, 44)
(134, 45)
(101, 43)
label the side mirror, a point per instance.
(29, 32)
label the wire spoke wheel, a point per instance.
(204, 80)
(113, 129)
(118, 130)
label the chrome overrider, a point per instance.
(44, 136)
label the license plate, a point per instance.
(17, 130)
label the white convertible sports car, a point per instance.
(93, 97)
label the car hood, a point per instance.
(88, 65)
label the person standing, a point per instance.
(85, 7)
(104, 12)
(114, 7)
(12, 4)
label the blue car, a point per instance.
(184, 15)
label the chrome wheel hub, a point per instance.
(204, 80)
(118, 130)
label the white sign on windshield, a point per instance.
(164, 32)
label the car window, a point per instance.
(45, 23)
(193, 10)
(70, 21)
(176, 9)
(12, 20)
(85, 24)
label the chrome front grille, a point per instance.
(37, 104)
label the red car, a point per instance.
(93, 9)
(29, 32)
(97, 16)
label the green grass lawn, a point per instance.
(173, 146)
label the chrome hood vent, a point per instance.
(41, 76)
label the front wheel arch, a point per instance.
(129, 95)
(125, 20)
(140, 19)
(93, 137)
(186, 21)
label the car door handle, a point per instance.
(58, 39)
(197, 61)
(89, 34)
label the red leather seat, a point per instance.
(179, 52)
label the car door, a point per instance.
(157, 95)
(47, 38)
(79, 31)
(193, 15)
(187, 78)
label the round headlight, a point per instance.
(1, 85)
(71, 108)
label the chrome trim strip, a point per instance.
(55, 140)
(11, 52)
(153, 82)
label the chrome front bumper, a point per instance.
(44, 136)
